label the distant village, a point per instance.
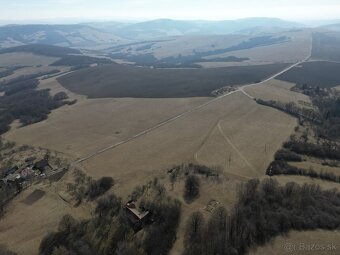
(16, 174)
(18, 177)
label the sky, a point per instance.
(66, 10)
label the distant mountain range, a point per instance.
(99, 34)
(167, 27)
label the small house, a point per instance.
(27, 173)
(42, 165)
(136, 217)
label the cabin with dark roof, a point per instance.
(136, 217)
(42, 165)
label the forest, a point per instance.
(22, 101)
(264, 210)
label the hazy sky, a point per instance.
(176, 9)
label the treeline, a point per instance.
(309, 90)
(25, 77)
(292, 109)
(328, 103)
(80, 61)
(85, 188)
(42, 49)
(180, 61)
(5, 73)
(281, 167)
(323, 151)
(21, 101)
(287, 155)
(329, 108)
(263, 211)
(9, 71)
(111, 232)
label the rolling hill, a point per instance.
(167, 27)
(61, 35)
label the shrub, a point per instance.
(99, 187)
(192, 188)
(60, 96)
(287, 156)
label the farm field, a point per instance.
(90, 125)
(280, 47)
(316, 73)
(326, 46)
(224, 128)
(124, 81)
(25, 59)
(277, 90)
(32, 70)
(34, 213)
(294, 50)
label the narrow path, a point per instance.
(240, 89)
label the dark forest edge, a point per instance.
(22, 101)
(324, 121)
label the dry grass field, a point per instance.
(297, 49)
(277, 90)
(34, 213)
(90, 125)
(216, 135)
(32, 70)
(208, 135)
(25, 59)
(186, 44)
